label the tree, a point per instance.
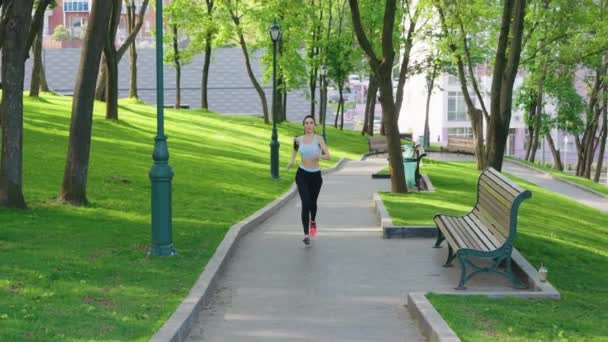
(237, 11)
(14, 37)
(73, 187)
(35, 41)
(382, 69)
(117, 54)
(111, 62)
(131, 13)
(506, 64)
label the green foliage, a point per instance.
(61, 33)
(568, 238)
(80, 274)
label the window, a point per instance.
(453, 80)
(460, 132)
(456, 107)
(76, 6)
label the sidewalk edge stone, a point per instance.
(430, 322)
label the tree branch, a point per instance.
(361, 37)
(133, 34)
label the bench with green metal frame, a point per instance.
(487, 231)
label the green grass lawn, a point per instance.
(569, 238)
(81, 273)
(579, 180)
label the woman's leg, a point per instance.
(303, 183)
(315, 189)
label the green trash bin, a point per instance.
(409, 167)
(408, 150)
(421, 140)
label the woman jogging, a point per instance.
(308, 177)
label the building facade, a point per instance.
(73, 15)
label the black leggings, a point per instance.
(309, 186)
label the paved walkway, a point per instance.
(350, 285)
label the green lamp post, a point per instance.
(275, 35)
(160, 173)
(324, 97)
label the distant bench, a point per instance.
(488, 231)
(377, 144)
(460, 144)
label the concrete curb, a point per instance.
(429, 320)
(178, 326)
(389, 230)
(382, 213)
(559, 179)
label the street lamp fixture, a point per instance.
(324, 97)
(275, 35)
(161, 173)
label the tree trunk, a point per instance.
(37, 64)
(312, 83)
(206, 64)
(429, 94)
(111, 85)
(112, 63)
(207, 61)
(15, 34)
(529, 145)
(44, 86)
(132, 54)
(279, 104)
(506, 64)
(556, 158)
(254, 81)
(603, 137)
(284, 103)
(537, 123)
(73, 187)
(100, 89)
(178, 69)
(372, 105)
(342, 119)
(539, 111)
(36, 27)
(340, 104)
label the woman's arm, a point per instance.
(325, 151)
(294, 153)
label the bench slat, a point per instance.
(507, 189)
(509, 182)
(485, 198)
(475, 242)
(502, 194)
(466, 241)
(441, 224)
(488, 239)
(498, 211)
(490, 223)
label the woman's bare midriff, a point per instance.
(310, 163)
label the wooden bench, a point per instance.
(377, 144)
(461, 144)
(487, 231)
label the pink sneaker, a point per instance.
(313, 228)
